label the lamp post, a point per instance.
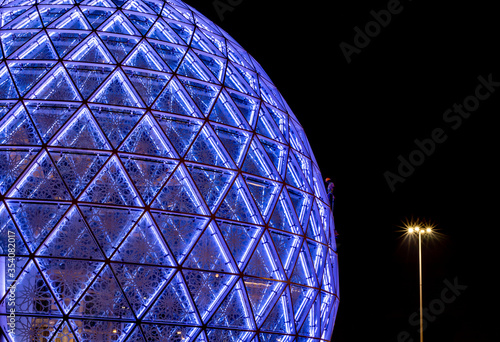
(420, 231)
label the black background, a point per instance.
(360, 116)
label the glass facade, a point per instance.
(154, 184)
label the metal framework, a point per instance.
(154, 184)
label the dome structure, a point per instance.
(154, 184)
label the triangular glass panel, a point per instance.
(249, 76)
(247, 105)
(267, 127)
(91, 50)
(161, 31)
(238, 205)
(184, 31)
(9, 14)
(218, 40)
(277, 153)
(38, 48)
(137, 6)
(315, 226)
(181, 131)
(71, 239)
(72, 20)
(270, 94)
(212, 183)
(311, 325)
(111, 186)
(207, 289)
(13, 161)
(81, 132)
(160, 333)
(216, 65)
(280, 118)
(141, 283)
(31, 285)
(238, 55)
(301, 299)
(171, 54)
(41, 181)
(209, 254)
(27, 20)
(280, 319)
(49, 117)
(105, 299)
(148, 139)
(178, 11)
(201, 42)
(147, 84)
(55, 86)
(318, 256)
(192, 67)
(116, 90)
(257, 163)
(109, 225)
(235, 141)
(144, 246)
(77, 169)
(142, 21)
(119, 23)
(302, 203)
(119, 45)
(36, 220)
(18, 129)
(241, 240)
(180, 195)
(233, 312)
(226, 112)
(284, 217)
(262, 294)
(203, 95)
(116, 122)
(96, 16)
(264, 262)
(11, 41)
(51, 13)
(287, 247)
(155, 5)
(99, 330)
(173, 305)
(136, 335)
(303, 272)
(67, 278)
(144, 57)
(234, 80)
(174, 99)
(8, 228)
(180, 231)
(88, 77)
(7, 87)
(27, 74)
(65, 41)
(148, 175)
(264, 192)
(206, 149)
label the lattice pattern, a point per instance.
(158, 185)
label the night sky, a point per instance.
(431, 73)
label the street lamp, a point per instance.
(420, 230)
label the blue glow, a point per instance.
(158, 185)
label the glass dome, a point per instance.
(154, 184)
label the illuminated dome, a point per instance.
(154, 184)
